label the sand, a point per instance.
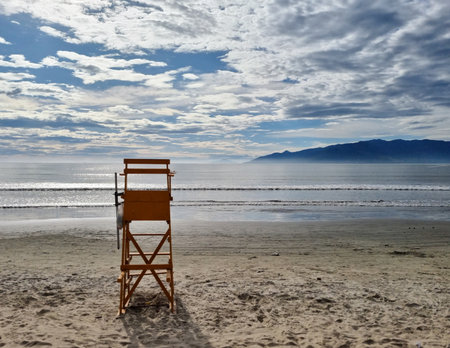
(377, 283)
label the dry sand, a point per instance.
(373, 283)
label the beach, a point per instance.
(237, 284)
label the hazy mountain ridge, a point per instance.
(410, 151)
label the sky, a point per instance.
(218, 80)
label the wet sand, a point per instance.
(378, 283)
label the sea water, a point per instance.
(235, 192)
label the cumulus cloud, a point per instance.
(18, 61)
(91, 69)
(189, 76)
(59, 34)
(9, 76)
(4, 42)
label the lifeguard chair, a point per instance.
(145, 205)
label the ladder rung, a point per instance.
(145, 267)
(150, 254)
(138, 274)
(148, 234)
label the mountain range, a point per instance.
(371, 151)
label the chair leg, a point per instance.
(121, 280)
(172, 290)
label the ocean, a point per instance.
(235, 192)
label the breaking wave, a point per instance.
(106, 187)
(236, 203)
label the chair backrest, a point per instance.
(147, 204)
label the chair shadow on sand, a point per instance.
(148, 322)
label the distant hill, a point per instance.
(409, 151)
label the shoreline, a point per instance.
(371, 282)
(49, 225)
(282, 213)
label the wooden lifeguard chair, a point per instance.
(145, 205)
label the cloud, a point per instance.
(91, 69)
(167, 24)
(18, 61)
(162, 81)
(190, 76)
(409, 127)
(9, 76)
(4, 42)
(59, 34)
(350, 110)
(60, 122)
(162, 111)
(106, 61)
(354, 68)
